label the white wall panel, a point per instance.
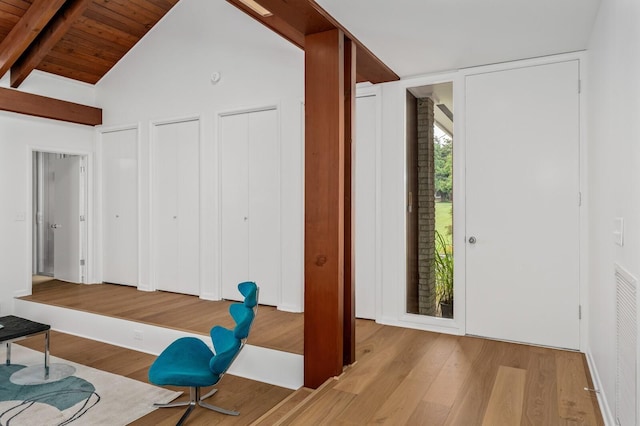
(364, 192)
(613, 130)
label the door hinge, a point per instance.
(81, 262)
(580, 312)
(579, 86)
(82, 218)
(579, 199)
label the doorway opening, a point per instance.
(59, 227)
(429, 209)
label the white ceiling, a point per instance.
(423, 36)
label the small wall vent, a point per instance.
(626, 348)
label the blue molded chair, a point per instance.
(189, 362)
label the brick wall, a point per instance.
(426, 209)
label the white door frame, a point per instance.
(392, 302)
(86, 204)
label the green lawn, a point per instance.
(444, 219)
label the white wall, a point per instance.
(614, 171)
(19, 135)
(168, 75)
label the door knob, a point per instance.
(472, 240)
(54, 226)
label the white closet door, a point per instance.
(365, 206)
(250, 203)
(264, 204)
(176, 207)
(189, 206)
(234, 171)
(120, 207)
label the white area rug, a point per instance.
(74, 394)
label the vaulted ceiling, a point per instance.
(78, 39)
(84, 39)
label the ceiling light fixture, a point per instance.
(251, 4)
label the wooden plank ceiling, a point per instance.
(84, 39)
(78, 39)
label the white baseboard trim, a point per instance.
(290, 308)
(422, 324)
(605, 409)
(209, 296)
(256, 363)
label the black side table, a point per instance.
(16, 328)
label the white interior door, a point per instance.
(188, 140)
(365, 206)
(522, 205)
(250, 203)
(66, 218)
(264, 204)
(120, 207)
(176, 208)
(234, 172)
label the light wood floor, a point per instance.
(401, 376)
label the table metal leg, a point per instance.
(46, 355)
(8, 353)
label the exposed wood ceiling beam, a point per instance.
(301, 15)
(25, 31)
(294, 19)
(41, 106)
(47, 39)
(275, 23)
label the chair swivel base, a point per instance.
(196, 399)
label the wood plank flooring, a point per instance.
(410, 377)
(401, 376)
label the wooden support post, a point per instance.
(349, 324)
(324, 307)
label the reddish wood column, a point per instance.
(325, 159)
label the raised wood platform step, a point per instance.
(284, 408)
(266, 365)
(273, 329)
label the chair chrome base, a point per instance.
(196, 399)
